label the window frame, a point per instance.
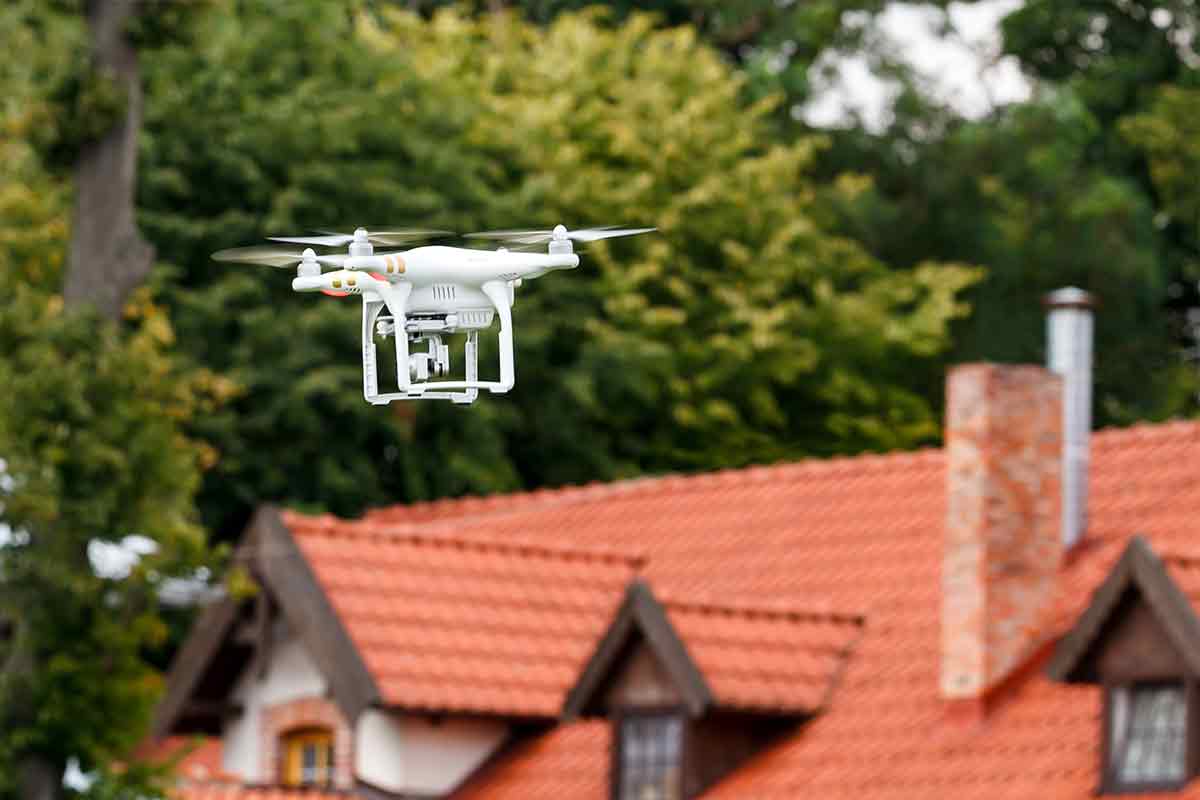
(618, 719)
(291, 770)
(1110, 782)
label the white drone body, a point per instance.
(422, 294)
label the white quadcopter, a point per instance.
(428, 292)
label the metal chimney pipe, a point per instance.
(1069, 354)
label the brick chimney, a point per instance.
(1002, 537)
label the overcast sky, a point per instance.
(965, 70)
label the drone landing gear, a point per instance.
(413, 369)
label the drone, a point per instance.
(421, 295)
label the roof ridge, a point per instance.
(598, 490)
(1177, 555)
(766, 609)
(440, 533)
(475, 506)
(1141, 429)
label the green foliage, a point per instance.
(90, 431)
(1083, 184)
(90, 448)
(33, 200)
(1168, 132)
(772, 43)
(280, 120)
(745, 331)
(1109, 51)
(1021, 195)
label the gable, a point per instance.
(640, 680)
(234, 632)
(1136, 645)
(1141, 605)
(760, 658)
(642, 654)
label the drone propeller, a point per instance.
(274, 256)
(393, 238)
(531, 237)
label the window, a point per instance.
(648, 757)
(308, 758)
(1147, 736)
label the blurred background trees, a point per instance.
(746, 331)
(805, 292)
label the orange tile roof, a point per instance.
(1183, 565)
(556, 765)
(476, 624)
(227, 792)
(863, 535)
(199, 758)
(761, 657)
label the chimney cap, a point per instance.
(1069, 297)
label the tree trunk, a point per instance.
(108, 256)
(39, 779)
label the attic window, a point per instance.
(649, 756)
(308, 758)
(1147, 736)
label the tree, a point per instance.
(92, 454)
(1070, 187)
(772, 43)
(1020, 194)
(1168, 133)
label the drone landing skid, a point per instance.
(413, 369)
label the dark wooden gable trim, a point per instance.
(288, 587)
(208, 633)
(215, 625)
(309, 613)
(640, 613)
(1139, 569)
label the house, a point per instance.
(1015, 615)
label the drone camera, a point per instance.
(434, 363)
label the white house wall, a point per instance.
(291, 675)
(392, 751)
(411, 754)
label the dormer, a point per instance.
(1138, 641)
(693, 689)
